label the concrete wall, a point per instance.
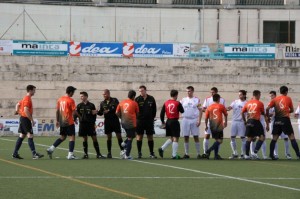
(84, 23)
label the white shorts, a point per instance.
(238, 128)
(299, 131)
(208, 132)
(189, 127)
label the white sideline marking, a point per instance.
(195, 171)
(130, 177)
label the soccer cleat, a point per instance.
(288, 157)
(161, 152)
(49, 152)
(233, 156)
(109, 155)
(206, 155)
(199, 156)
(273, 157)
(17, 156)
(128, 157)
(254, 156)
(247, 157)
(85, 156)
(152, 155)
(218, 157)
(186, 156)
(122, 154)
(177, 157)
(242, 157)
(266, 158)
(100, 156)
(140, 155)
(37, 156)
(72, 157)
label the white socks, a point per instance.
(205, 144)
(233, 146)
(186, 148)
(197, 145)
(174, 149)
(166, 144)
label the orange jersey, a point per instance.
(254, 108)
(65, 107)
(127, 110)
(282, 105)
(25, 102)
(215, 114)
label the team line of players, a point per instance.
(249, 121)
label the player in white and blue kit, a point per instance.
(191, 120)
(238, 127)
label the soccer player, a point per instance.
(25, 109)
(254, 109)
(238, 127)
(297, 115)
(86, 111)
(145, 120)
(191, 120)
(207, 102)
(282, 135)
(127, 110)
(283, 106)
(214, 114)
(111, 121)
(65, 110)
(171, 108)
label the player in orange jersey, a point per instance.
(25, 109)
(283, 106)
(214, 114)
(127, 110)
(65, 110)
(254, 109)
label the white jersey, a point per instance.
(298, 112)
(209, 101)
(272, 111)
(191, 107)
(237, 106)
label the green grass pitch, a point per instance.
(143, 178)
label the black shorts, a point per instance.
(217, 135)
(282, 124)
(25, 126)
(145, 125)
(254, 128)
(86, 129)
(67, 130)
(130, 133)
(112, 125)
(172, 128)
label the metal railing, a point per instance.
(134, 1)
(259, 2)
(197, 2)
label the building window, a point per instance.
(279, 31)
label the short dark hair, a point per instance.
(142, 86)
(272, 92)
(256, 93)
(244, 93)
(216, 97)
(283, 90)
(190, 88)
(84, 93)
(174, 93)
(30, 88)
(214, 89)
(131, 94)
(107, 91)
(70, 89)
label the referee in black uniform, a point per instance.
(145, 120)
(111, 121)
(86, 111)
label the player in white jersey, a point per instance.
(282, 136)
(238, 127)
(191, 120)
(207, 102)
(297, 115)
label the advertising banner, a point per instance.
(40, 48)
(95, 49)
(181, 50)
(288, 51)
(249, 51)
(12, 125)
(207, 51)
(147, 50)
(6, 47)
